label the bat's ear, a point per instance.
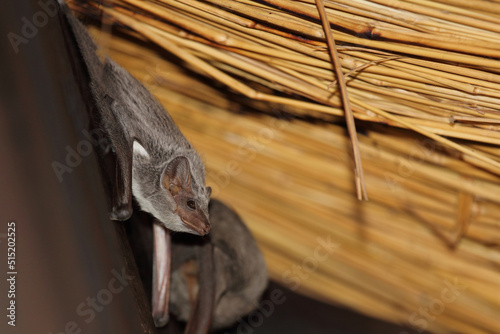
(138, 149)
(177, 176)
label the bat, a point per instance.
(238, 277)
(152, 159)
(208, 282)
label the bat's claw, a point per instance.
(160, 319)
(120, 214)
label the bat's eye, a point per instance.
(191, 204)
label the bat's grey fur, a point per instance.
(144, 138)
(240, 271)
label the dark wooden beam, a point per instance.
(75, 272)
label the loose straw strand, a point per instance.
(351, 126)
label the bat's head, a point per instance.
(174, 192)
(191, 200)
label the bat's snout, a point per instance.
(198, 223)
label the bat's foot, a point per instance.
(121, 214)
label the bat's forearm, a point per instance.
(201, 314)
(161, 274)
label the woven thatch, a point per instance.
(424, 84)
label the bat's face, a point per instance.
(191, 202)
(179, 198)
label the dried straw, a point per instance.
(423, 79)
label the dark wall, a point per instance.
(71, 272)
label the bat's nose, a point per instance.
(205, 230)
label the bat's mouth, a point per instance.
(200, 227)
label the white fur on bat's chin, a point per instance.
(174, 222)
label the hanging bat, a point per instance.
(153, 160)
(207, 282)
(238, 277)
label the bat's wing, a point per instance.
(106, 109)
(201, 314)
(121, 206)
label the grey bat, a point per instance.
(239, 272)
(154, 161)
(208, 282)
